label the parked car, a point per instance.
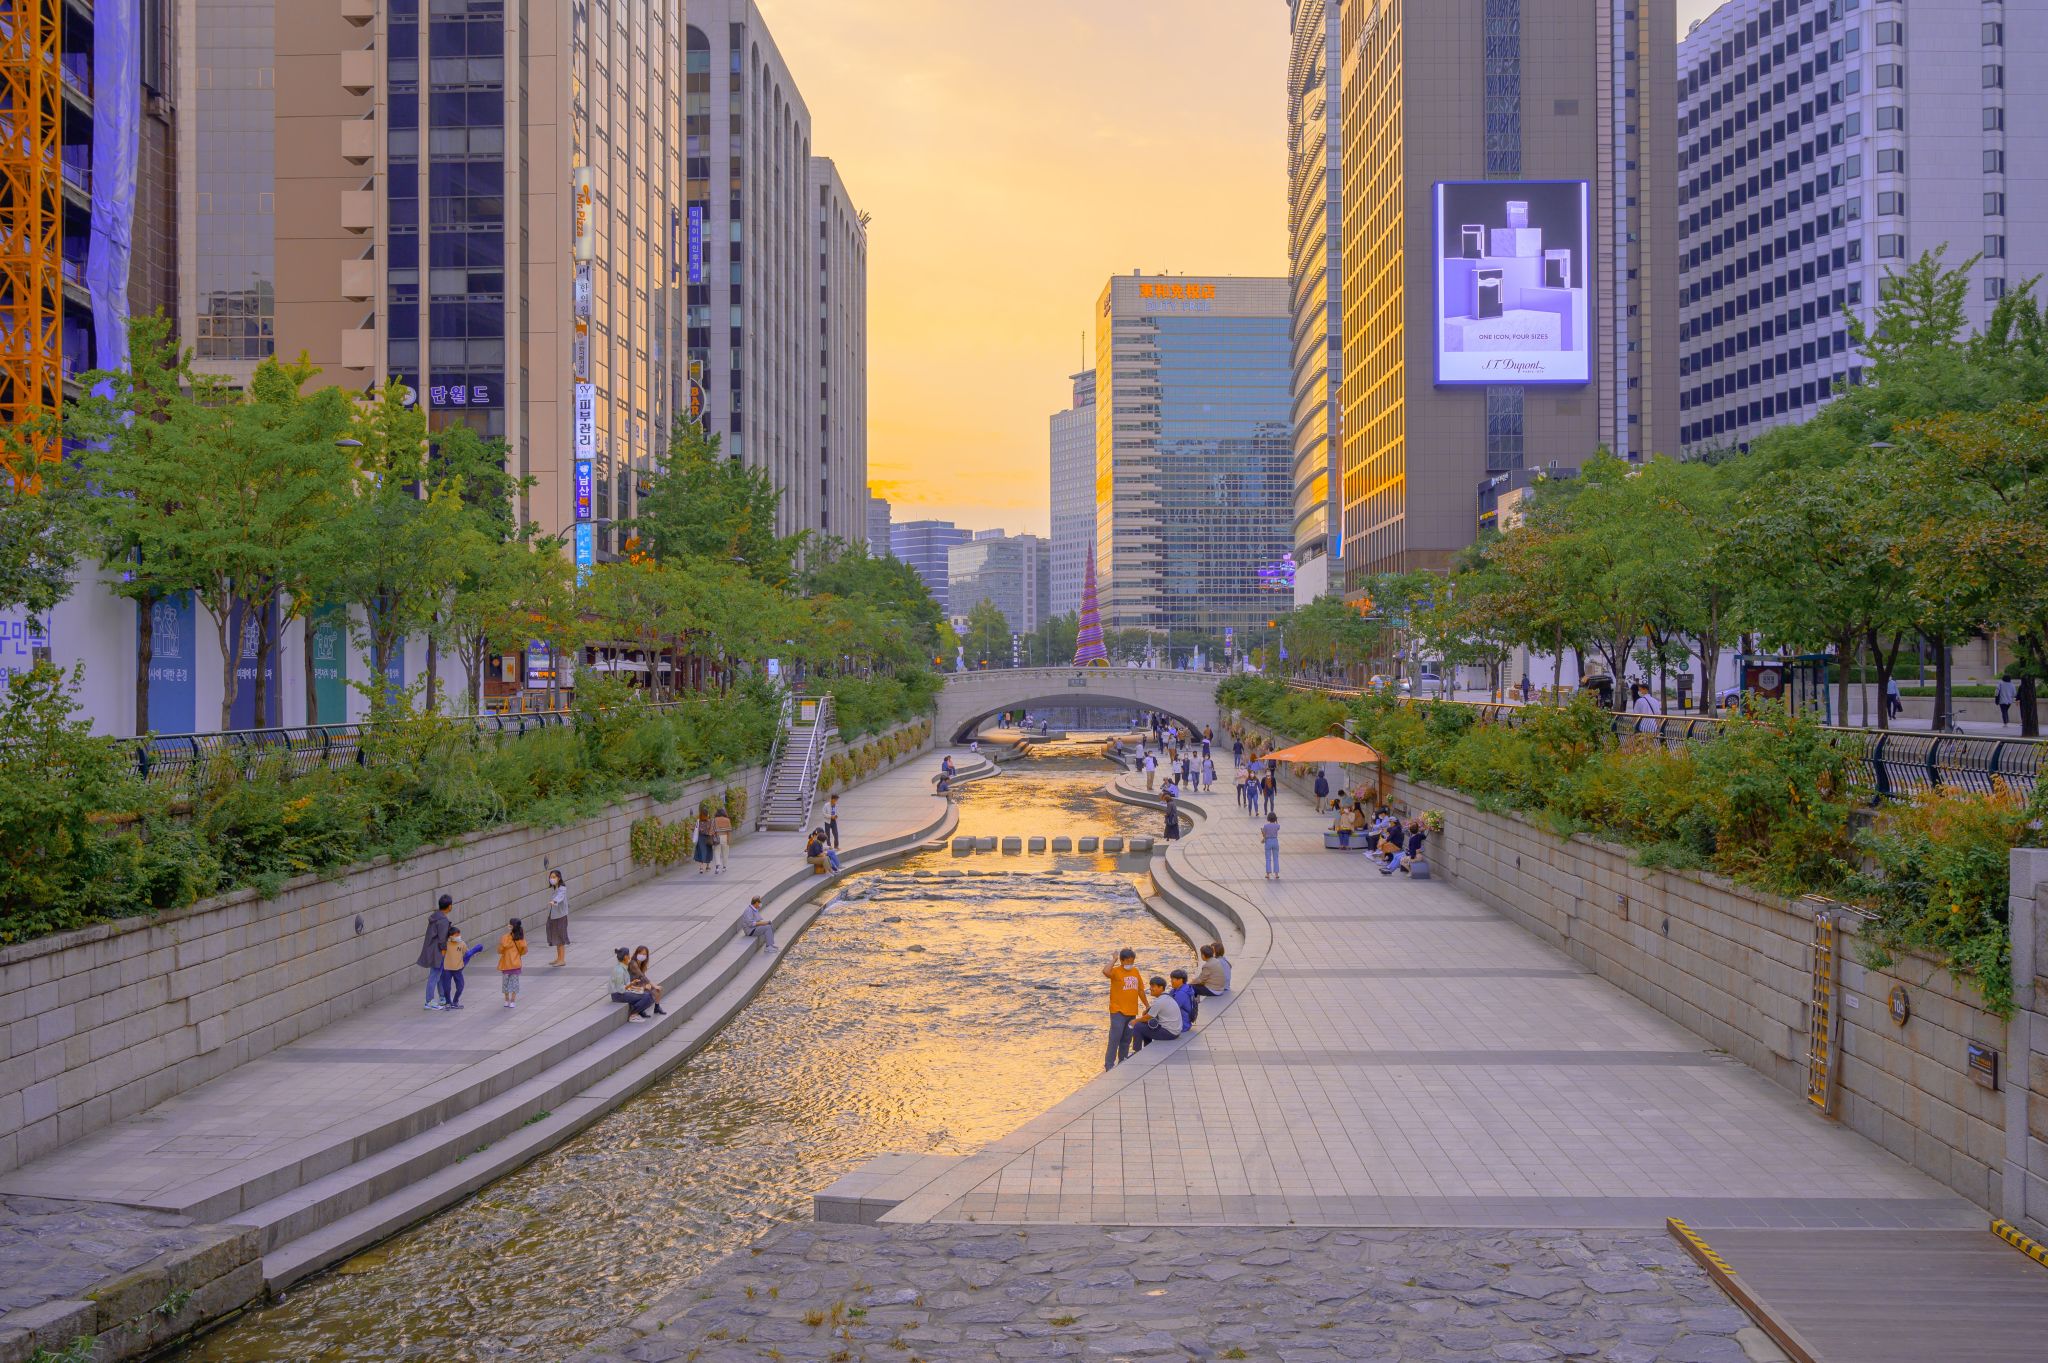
(1430, 684)
(1602, 688)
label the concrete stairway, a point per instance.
(793, 787)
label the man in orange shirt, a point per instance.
(1126, 1004)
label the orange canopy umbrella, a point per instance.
(1326, 749)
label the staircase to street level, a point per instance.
(792, 786)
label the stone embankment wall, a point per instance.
(105, 1021)
(1735, 966)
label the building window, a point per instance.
(1994, 119)
(1891, 201)
(1891, 32)
(1994, 35)
(1503, 55)
(1994, 287)
(1890, 118)
(1994, 77)
(1994, 246)
(1994, 161)
(1891, 160)
(1890, 76)
(1504, 425)
(1994, 204)
(1891, 246)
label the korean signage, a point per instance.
(586, 550)
(696, 243)
(173, 688)
(580, 292)
(245, 630)
(585, 480)
(462, 395)
(586, 421)
(1170, 295)
(20, 644)
(330, 663)
(1512, 266)
(540, 661)
(583, 195)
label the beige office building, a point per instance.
(1508, 249)
(842, 245)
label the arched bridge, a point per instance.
(971, 697)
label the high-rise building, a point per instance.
(1821, 146)
(1314, 209)
(878, 526)
(484, 202)
(923, 545)
(1508, 250)
(1073, 493)
(88, 236)
(227, 305)
(1193, 453)
(1011, 571)
(842, 242)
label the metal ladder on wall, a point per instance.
(1823, 1011)
(792, 786)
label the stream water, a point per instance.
(934, 1006)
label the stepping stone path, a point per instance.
(954, 1293)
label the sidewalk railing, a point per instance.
(1889, 763)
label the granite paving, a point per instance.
(969, 1294)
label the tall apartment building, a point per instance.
(1013, 572)
(878, 526)
(1822, 145)
(483, 202)
(1073, 493)
(842, 244)
(923, 545)
(1508, 251)
(227, 182)
(1314, 214)
(1194, 452)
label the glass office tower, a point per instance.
(1194, 453)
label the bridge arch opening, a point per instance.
(964, 730)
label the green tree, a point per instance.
(699, 505)
(1052, 644)
(988, 635)
(40, 537)
(835, 568)
(1328, 636)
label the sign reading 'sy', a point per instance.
(1513, 276)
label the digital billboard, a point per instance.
(1513, 275)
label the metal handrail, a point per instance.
(1889, 763)
(775, 745)
(814, 756)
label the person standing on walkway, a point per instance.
(558, 917)
(2005, 695)
(1126, 1005)
(721, 834)
(1268, 783)
(1172, 816)
(511, 959)
(1151, 770)
(1270, 836)
(1322, 786)
(1161, 1021)
(1646, 705)
(700, 851)
(758, 925)
(454, 958)
(1208, 772)
(1251, 791)
(832, 820)
(1237, 752)
(434, 950)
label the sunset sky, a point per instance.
(1014, 157)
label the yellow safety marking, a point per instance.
(2021, 1241)
(1699, 1246)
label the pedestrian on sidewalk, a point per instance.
(558, 917)
(454, 957)
(2005, 695)
(434, 950)
(1892, 697)
(1251, 791)
(700, 851)
(1126, 1005)
(1208, 771)
(1270, 836)
(642, 976)
(1268, 784)
(511, 957)
(1237, 752)
(622, 986)
(1161, 1021)
(758, 925)
(1322, 786)
(721, 833)
(1172, 816)
(1151, 770)
(832, 821)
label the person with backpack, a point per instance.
(511, 959)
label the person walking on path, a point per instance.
(1161, 1021)
(1270, 836)
(1268, 783)
(1237, 752)
(511, 958)
(1322, 786)
(434, 950)
(1892, 698)
(622, 986)
(1172, 818)
(721, 834)
(1251, 793)
(558, 917)
(455, 957)
(701, 851)
(1208, 773)
(1646, 705)
(758, 925)
(2005, 695)
(1126, 1005)
(1151, 770)
(832, 820)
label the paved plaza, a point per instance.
(1404, 1056)
(969, 1294)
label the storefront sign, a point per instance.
(696, 243)
(243, 631)
(540, 662)
(585, 482)
(586, 421)
(461, 394)
(584, 196)
(586, 551)
(330, 663)
(173, 688)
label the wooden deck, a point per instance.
(1907, 1296)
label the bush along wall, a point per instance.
(1767, 804)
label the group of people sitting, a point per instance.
(1138, 1017)
(1389, 843)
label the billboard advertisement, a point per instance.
(583, 200)
(1513, 275)
(696, 256)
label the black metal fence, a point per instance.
(1889, 763)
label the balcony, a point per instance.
(358, 280)
(359, 12)
(358, 210)
(359, 140)
(359, 348)
(359, 71)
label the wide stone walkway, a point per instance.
(278, 1120)
(1403, 1056)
